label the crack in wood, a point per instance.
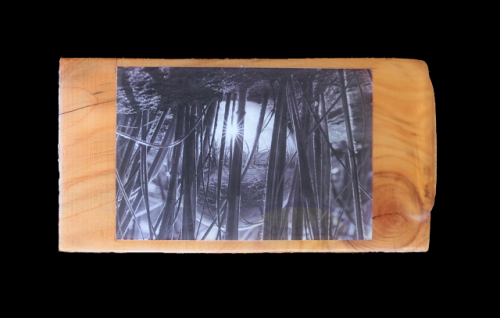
(373, 218)
(109, 101)
(352, 245)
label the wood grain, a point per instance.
(404, 158)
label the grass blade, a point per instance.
(305, 175)
(188, 168)
(352, 157)
(221, 162)
(125, 197)
(258, 131)
(234, 186)
(144, 175)
(167, 211)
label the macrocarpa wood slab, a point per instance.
(404, 158)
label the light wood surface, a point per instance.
(404, 158)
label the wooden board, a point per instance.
(404, 158)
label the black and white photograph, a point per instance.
(211, 153)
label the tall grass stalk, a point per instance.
(352, 156)
(221, 162)
(234, 186)
(305, 174)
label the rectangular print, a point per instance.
(208, 153)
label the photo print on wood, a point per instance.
(206, 153)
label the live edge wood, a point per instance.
(404, 158)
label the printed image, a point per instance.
(205, 153)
